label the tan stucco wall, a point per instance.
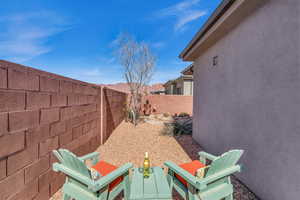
(251, 100)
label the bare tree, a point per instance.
(138, 62)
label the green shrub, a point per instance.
(178, 127)
(183, 114)
(183, 128)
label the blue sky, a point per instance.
(75, 38)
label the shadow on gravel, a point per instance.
(191, 147)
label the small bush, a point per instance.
(178, 127)
(166, 114)
(185, 127)
(183, 114)
(168, 129)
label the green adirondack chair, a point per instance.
(216, 183)
(79, 184)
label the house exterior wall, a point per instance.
(168, 88)
(176, 87)
(180, 87)
(188, 87)
(251, 99)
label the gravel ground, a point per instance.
(128, 144)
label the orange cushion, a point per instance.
(105, 168)
(190, 167)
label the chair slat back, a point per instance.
(224, 161)
(71, 161)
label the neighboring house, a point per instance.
(156, 89)
(247, 91)
(159, 92)
(183, 85)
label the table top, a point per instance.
(154, 187)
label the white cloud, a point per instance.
(191, 16)
(109, 59)
(87, 70)
(113, 43)
(92, 72)
(158, 45)
(25, 35)
(172, 10)
(185, 12)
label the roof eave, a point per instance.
(225, 17)
(187, 68)
(210, 22)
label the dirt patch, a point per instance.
(129, 143)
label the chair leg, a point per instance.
(191, 192)
(126, 186)
(66, 197)
(229, 197)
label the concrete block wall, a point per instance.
(113, 110)
(173, 104)
(39, 112)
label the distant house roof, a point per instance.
(226, 16)
(184, 77)
(169, 82)
(156, 88)
(187, 74)
(189, 70)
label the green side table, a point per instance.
(154, 187)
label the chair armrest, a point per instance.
(69, 172)
(183, 173)
(92, 156)
(102, 182)
(203, 156)
(221, 174)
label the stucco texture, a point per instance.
(251, 99)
